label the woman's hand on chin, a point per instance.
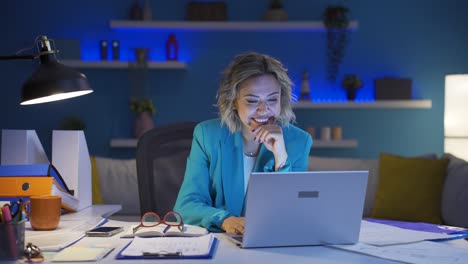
(271, 135)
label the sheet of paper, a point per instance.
(383, 235)
(54, 241)
(418, 253)
(419, 226)
(66, 233)
(82, 253)
(186, 246)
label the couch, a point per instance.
(115, 182)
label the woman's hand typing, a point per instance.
(234, 225)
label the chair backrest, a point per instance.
(161, 159)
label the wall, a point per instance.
(395, 38)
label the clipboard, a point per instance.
(214, 245)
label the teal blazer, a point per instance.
(213, 186)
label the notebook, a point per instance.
(303, 208)
(163, 230)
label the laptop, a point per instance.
(303, 208)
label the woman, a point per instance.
(252, 134)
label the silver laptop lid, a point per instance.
(304, 208)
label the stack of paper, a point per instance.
(409, 246)
(384, 235)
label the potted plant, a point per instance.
(144, 109)
(351, 83)
(336, 22)
(72, 123)
(276, 12)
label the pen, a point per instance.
(10, 230)
(6, 213)
(166, 228)
(162, 255)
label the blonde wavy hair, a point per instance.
(243, 67)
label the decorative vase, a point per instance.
(143, 123)
(141, 55)
(351, 93)
(147, 11)
(172, 48)
(136, 11)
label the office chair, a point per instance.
(161, 157)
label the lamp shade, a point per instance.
(53, 81)
(456, 98)
(455, 118)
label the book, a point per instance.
(158, 231)
(169, 247)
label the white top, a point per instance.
(249, 163)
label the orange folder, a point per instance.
(25, 186)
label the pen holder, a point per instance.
(12, 240)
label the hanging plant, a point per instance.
(336, 22)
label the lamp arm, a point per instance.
(18, 57)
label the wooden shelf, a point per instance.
(424, 104)
(224, 25)
(170, 65)
(345, 143)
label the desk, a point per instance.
(228, 253)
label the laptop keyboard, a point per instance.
(237, 237)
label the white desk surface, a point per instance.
(226, 251)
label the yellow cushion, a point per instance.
(409, 189)
(96, 191)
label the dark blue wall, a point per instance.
(416, 39)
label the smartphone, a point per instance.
(104, 231)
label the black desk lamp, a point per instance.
(52, 81)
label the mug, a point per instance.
(44, 211)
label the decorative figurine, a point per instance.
(115, 49)
(305, 88)
(103, 45)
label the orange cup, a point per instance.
(44, 211)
